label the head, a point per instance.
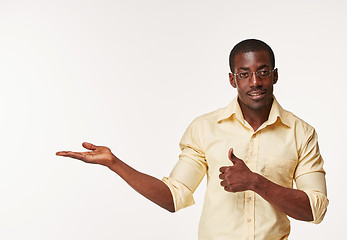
(253, 58)
(250, 45)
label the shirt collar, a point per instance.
(276, 112)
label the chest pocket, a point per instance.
(279, 170)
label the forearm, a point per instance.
(151, 188)
(293, 202)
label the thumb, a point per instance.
(231, 156)
(89, 146)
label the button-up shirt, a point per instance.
(282, 149)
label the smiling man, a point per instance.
(251, 151)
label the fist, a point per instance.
(236, 178)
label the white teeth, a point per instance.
(255, 94)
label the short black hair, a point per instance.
(250, 45)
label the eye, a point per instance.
(243, 74)
(263, 73)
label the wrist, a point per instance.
(112, 162)
(255, 182)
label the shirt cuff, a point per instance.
(319, 203)
(182, 196)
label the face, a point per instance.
(255, 93)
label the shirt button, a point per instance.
(249, 199)
(249, 220)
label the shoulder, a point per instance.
(299, 126)
(204, 123)
(210, 117)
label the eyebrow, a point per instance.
(243, 68)
(260, 67)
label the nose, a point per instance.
(255, 81)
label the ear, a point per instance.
(232, 80)
(275, 76)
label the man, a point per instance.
(251, 151)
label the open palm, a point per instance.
(97, 155)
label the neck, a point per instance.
(255, 118)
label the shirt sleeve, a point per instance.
(189, 170)
(310, 177)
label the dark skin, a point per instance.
(255, 99)
(255, 95)
(148, 186)
(239, 178)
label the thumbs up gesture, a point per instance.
(236, 178)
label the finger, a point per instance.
(221, 176)
(61, 153)
(223, 183)
(76, 155)
(89, 146)
(230, 154)
(232, 157)
(223, 169)
(230, 188)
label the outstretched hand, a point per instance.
(97, 155)
(236, 178)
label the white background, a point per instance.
(132, 75)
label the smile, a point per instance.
(256, 95)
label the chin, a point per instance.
(259, 106)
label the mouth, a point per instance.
(256, 95)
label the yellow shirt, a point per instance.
(283, 149)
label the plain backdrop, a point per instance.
(132, 75)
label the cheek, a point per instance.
(270, 87)
(242, 87)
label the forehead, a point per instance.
(252, 60)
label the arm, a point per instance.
(238, 177)
(293, 202)
(148, 186)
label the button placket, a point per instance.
(249, 195)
